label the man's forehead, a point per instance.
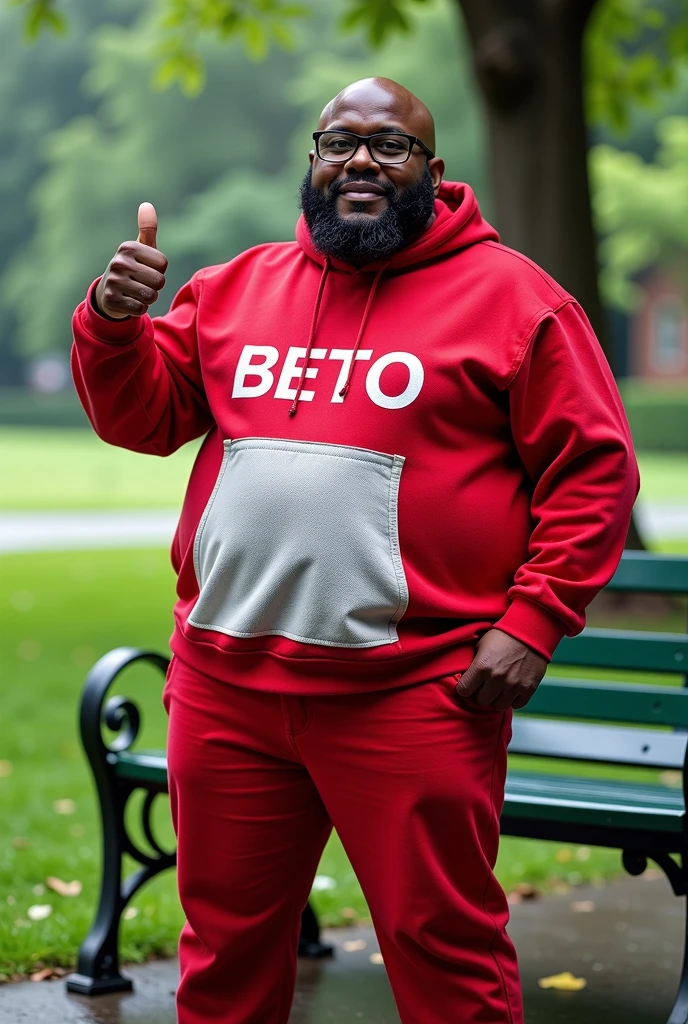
(379, 105)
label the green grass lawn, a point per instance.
(62, 610)
(70, 468)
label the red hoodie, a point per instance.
(398, 457)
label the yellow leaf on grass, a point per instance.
(65, 806)
(5, 769)
(63, 888)
(565, 982)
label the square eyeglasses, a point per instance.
(384, 147)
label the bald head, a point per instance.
(385, 101)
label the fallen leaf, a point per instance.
(583, 906)
(20, 844)
(6, 768)
(376, 958)
(63, 888)
(130, 912)
(48, 974)
(527, 891)
(41, 975)
(353, 945)
(348, 913)
(565, 982)
(39, 911)
(672, 778)
(65, 806)
(563, 856)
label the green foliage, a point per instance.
(41, 15)
(633, 47)
(223, 170)
(184, 24)
(641, 210)
(380, 19)
(629, 44)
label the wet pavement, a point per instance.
(625, 939)
(32, 530)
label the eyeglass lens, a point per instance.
(337, 147)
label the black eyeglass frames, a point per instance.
(384, 147)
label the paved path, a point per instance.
(52, 531)
(627, 946)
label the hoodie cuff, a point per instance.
(102, 328)
(532, 625)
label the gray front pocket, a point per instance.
(300, 539)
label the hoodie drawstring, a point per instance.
(311, 337)
(361, 329)
(314, 322)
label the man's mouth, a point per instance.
(362, 191)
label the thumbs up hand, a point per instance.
(135, 274)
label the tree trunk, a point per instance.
(528, 61)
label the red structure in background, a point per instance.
(658, 330)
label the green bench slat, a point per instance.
(595, 802)
(146, 765)
(533, 796)
(625, 649)
(611, 702)
(646, 572)
(650, 748)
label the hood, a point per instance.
(458, 222)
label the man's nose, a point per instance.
(361, 161)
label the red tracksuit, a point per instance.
(398, 457)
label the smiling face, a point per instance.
(360, 209)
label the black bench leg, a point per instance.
(635, 862)
(98, 963)
(97, 969)
(309, 941)
(679, 1013)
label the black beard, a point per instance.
(365, 239)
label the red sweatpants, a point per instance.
(412, 780)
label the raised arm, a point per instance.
(139, 380)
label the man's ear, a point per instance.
(311, 156)
(436, 168)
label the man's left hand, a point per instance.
(504, 673)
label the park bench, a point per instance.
(569, 721)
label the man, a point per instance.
(417, 473)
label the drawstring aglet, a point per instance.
(343, 392)
(292, 410)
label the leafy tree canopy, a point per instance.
(223, 170)
(632, 49)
